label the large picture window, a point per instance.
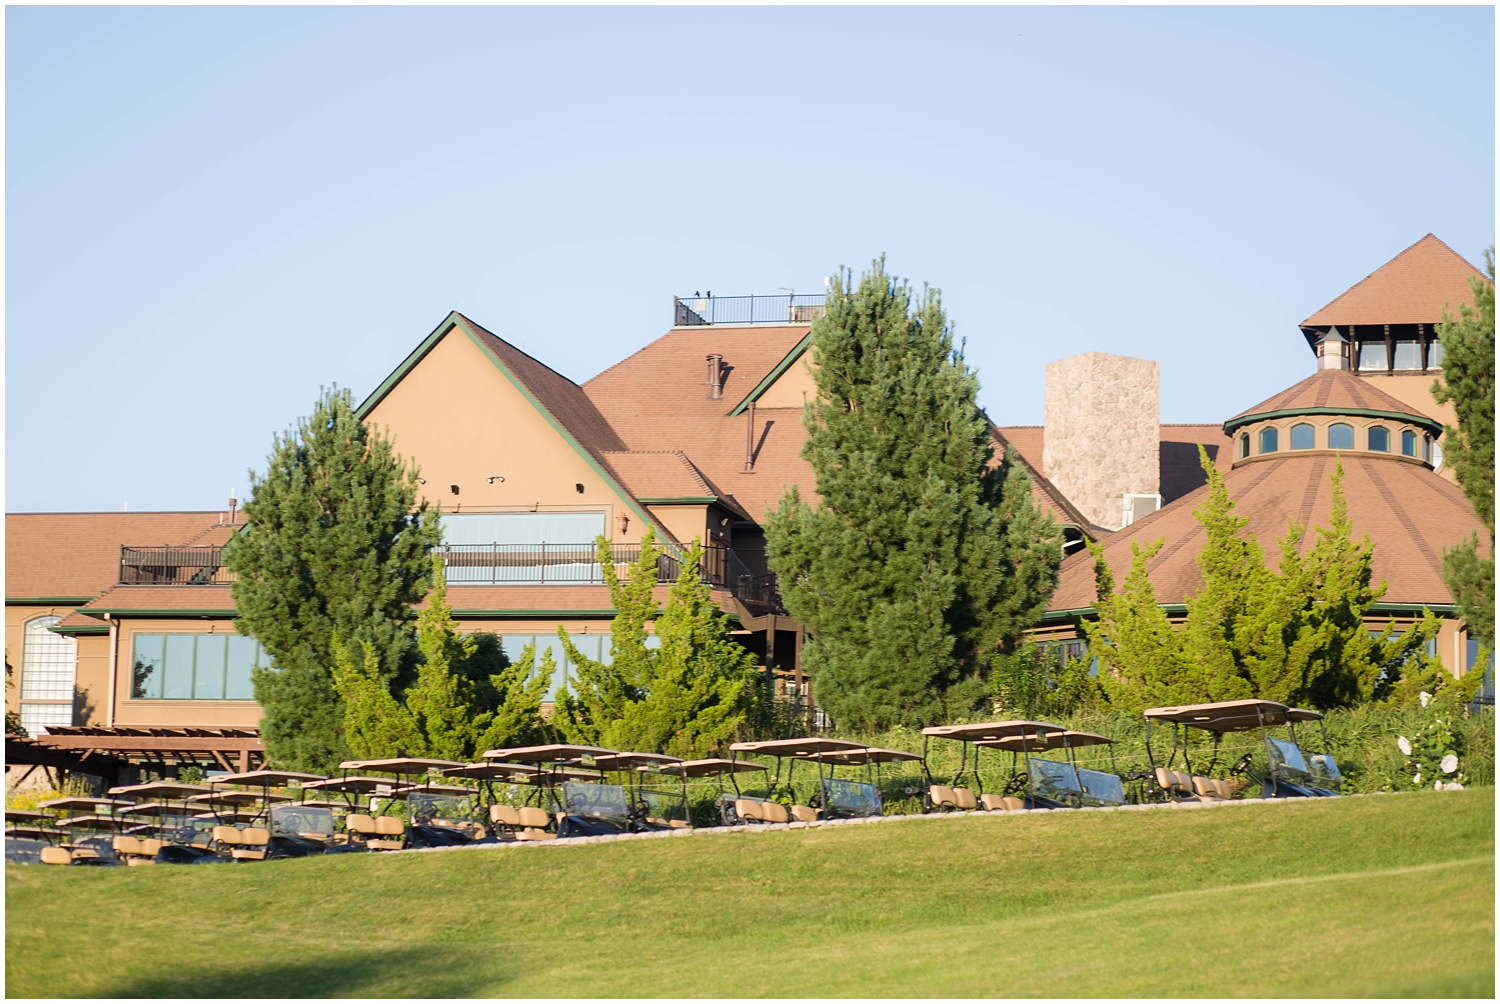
(1372, 356)
(194, 667)
(524, 547)
(590, 646)
(1340, 436)
(49, 666)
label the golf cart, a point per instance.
(719, 768)
(580, 802)
(652, 806)
(233, 807)
(176, 836)
(837, 798)
(1062, 784)
(1282, 773)
(974, 737)
(436, 815)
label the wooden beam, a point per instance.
(202, 744)
(244, 761)
(225, 763)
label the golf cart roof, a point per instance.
(626, 761)
(870, 754)
(1050, 741)
(712, 767)
(72, 802)
(160, 809)
(160, 789)
(99, 822)
(238, 816)
(797, 747)
(29, 832)
(488, 771)
(1224, 716)
(356, 784)
(1303, 715)
(551, 753)
(323, 803)
(400, 765)
(985, 731)
(24, 815)
(434, 789)
(267, 778)
(237, 798)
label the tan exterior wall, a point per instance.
(90, 680)
(684, 522)
(1415, 391)
(1320, 424)
(792, 389)
(463, 422)
(174, 713)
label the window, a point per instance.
(1408, 356)
(1380, 439)
(590, 646)
(1427, 448)
(1340, 436)
(49, 665)
(194, 667)
(1471, 660)
(1434, 355)
(522, 547)
(1268, 440)
(1372, 356)
(1408, 443)
(1302, 436)
(1244, 445)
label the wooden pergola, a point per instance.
(89, 748)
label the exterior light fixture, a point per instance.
(492, 480)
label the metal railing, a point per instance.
(789, 308)
(173, 566)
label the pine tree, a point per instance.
(441, 701)
(375, 724)
(1141, 657)
(923, 558)
(1469, 382)
(333, 544)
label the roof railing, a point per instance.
(779, 308)
(173, 566)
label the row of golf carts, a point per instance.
(561, 791)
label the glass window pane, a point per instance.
(208, 668)
(1408, 355)
(1268, 440)
(1408, 443)
(48, 662)
(146, 672)
(36, 717)
(1302, 437)
(1372, 355)
(242, 653)
(1434, 355)
(1340, 436)
(1244, 445)
(177, 671)
(1427, 448)
(523, 528)
(1380, 440)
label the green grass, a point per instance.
(1389, 895)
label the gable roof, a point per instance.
(1332, 392)
(76, 555)
(1411, 288)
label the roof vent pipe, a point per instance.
(715, 376)
(750, 440)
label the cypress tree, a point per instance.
(923, 557)
(333, 545)
(1469, 382)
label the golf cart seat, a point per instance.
(965, 798)
(1001, 803)
(505, 816)
(1211, 789)
(942, 797)
(532, 822)
(1175, 784)
(56, 856)
(255, 842)
(226, 837)
(804, 814)
(136, 850)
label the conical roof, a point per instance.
(1411, 288)
(1332, 392)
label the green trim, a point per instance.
(684, 500)
(540, 614)
(774, 375)
(1056, 616)
(48, 601)
(456, 320)
(79, 630)
(1394, 416)
(131, 612)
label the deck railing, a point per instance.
(173, 566)
(788, 308)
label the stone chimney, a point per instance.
(1102, 447)
(1333, 351)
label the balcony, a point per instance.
(173, 566)
(789, 308)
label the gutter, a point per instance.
(114, 662)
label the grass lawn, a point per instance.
(1387, 895)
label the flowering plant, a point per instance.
(1432, 753)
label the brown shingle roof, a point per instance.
(1337, 390)
(1411, 288)
(142, 599)
(1179, 470)
(1410, 513)
(659, 474)
(78, 553)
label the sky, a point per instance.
(211, 212)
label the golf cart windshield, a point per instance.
(662, 806)
(1286, 760)
(851, 798)
(585, 798)
(1053, 779)
(301, 821)
(1325, 773)
(1100, 788)
(429, 808)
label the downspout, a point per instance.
(114, 641)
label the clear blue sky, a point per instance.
(211, 212)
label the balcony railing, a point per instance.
(479, 564)
(792, 308)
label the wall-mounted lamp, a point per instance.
(497, 477)
(622, 523)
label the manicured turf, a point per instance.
(1387, 895)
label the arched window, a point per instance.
(1380, 439)
(1268, 439)
(1408, 443)
(49, 663)
(1244, 445)
(1303, 436)
(1340, 436)
(1427, 448)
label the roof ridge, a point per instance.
(480, 327)
(1387, 265)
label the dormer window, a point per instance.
(1268, 439)
(1303, 437)
(1372, 356)
(1434, 355)
(1340, 436)
(1380, 439)
(1408, 443)
(1244, 445)
(1408, 355)
(1427, 448)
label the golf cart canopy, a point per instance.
(628, 761)
(238, 798)
(73, 803)
(551, 753)
(455, 790)
(868, 755)
(1226, 716)
(267, 778)
(161, 809)
(358, 784)
(798, 747)
(400, 765)
(712, 767)
(990, 731)
(516, 773)
(24, 815)
(1050, 741)
(1295, 715)
(99, 822)
(160, 789)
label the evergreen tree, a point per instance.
(441, 701)
(333, 545)
(1141, 657)
(375, 724)
(923, 558)
(1469, 382)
